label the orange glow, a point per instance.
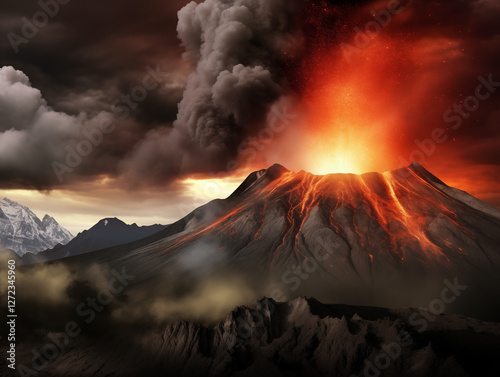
(352, 109)
(207, 189)
(349, 205)
(345, 140)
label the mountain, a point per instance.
(106, 233)
(401, 239)
(22, 231)
(384, 239)
(303, 337)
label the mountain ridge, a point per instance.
(107, 232)
(299, 337)
(404, 227)
(23, 232)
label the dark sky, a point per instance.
(239, 61)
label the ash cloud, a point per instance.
(33, 135)
(234, 70)
(235, 51)
(238, 50)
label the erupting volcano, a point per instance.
(396, 218)
(276, 139)
(389, 238)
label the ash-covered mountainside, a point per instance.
(374, 239)
(23, 232)
(374, 222)
(299, 338)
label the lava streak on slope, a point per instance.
(386, 239)
(397, 219)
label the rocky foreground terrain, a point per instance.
(401, 239)
(299, 338)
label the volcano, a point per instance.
(403, 218)
(378, 256)
(387, 239)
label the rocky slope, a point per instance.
(374, 239)
(299, 338)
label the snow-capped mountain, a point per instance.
(22, 231)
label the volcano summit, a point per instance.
(401, 239)
(388, 239)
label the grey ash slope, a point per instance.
(390, 240)
(385, 239)
(299, 338)
(106, 233)
(23, 232)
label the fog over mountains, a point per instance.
(352, 244)
(374, 239)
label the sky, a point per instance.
(146, 110)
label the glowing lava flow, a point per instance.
(392, 218)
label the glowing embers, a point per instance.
(356, 108)
(343, 137)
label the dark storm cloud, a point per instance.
(92, 45)
(238, 49)
(234, 69)
(29, 130)
(69, 74)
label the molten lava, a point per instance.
(401, 218)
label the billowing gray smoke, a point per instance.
(238, 49)
(237, 52)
